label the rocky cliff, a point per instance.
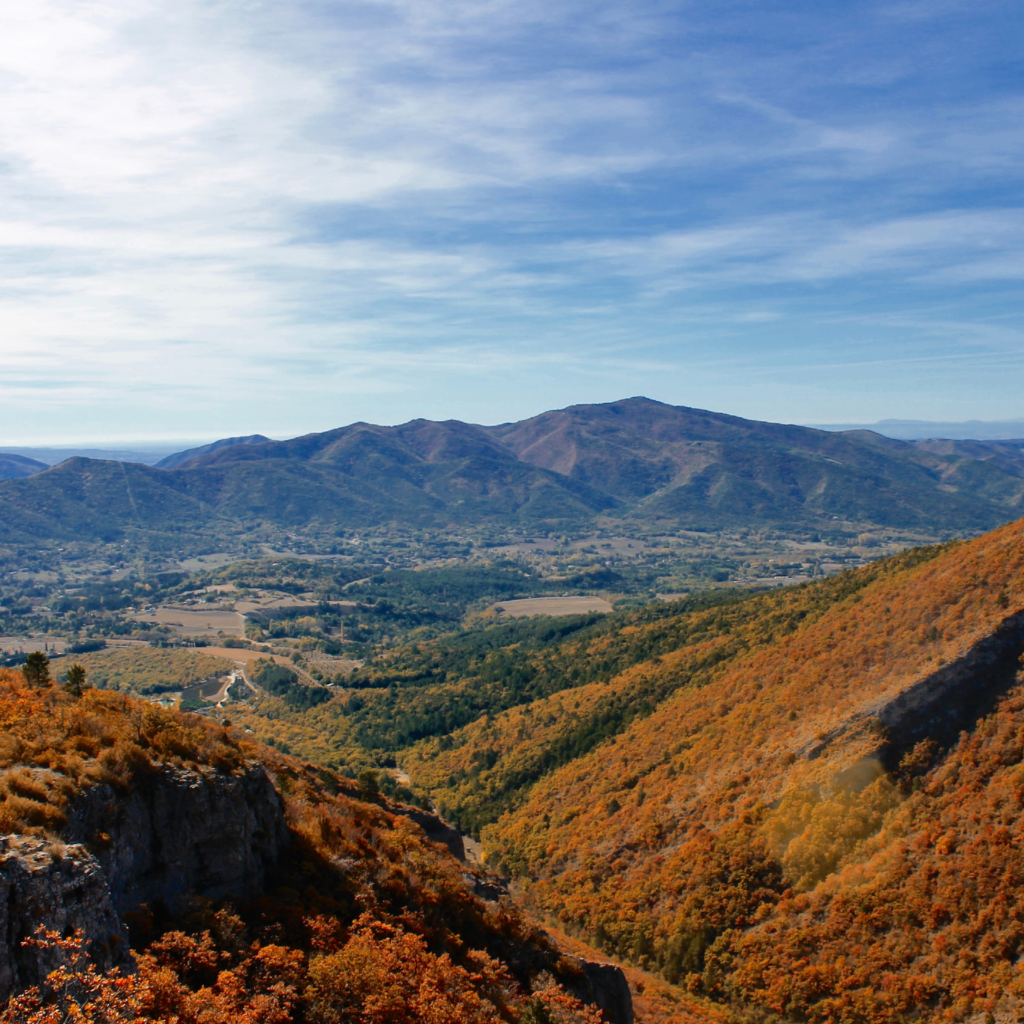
(59, 888)
(174, 834)
(602, 985)
(178, 833)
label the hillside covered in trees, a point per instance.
(825, 827)
(358, 912)
(637, 463)
(805, 804)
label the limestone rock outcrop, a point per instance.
(178, 833)
(601, 985)
(63, 889)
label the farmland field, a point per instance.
(551, 606)
(196, 623)
(147, 670)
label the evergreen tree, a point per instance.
(36, 669)
(76, 681)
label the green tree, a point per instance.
(75, 683)
(36, 669)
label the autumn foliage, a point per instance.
(759, 837)
(370, 922)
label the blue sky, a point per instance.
(226, 217)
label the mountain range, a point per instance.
(636, 461)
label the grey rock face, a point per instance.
(62, 890)
(179, 833)
(603, 986)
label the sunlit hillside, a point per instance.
(826, 826)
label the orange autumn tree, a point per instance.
(370, 920)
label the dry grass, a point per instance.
(53, 746)
(550, 606)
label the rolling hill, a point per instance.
(15, 467)
(637, 461)
(808, 804)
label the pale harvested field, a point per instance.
(244, 654)
(26, 645)
(551, 606)
(196, 623)
(212, 561)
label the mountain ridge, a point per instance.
(637, 461)
(179, 458)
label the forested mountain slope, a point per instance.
(638, 461)
(816, 811)
(256, 889)
(679, 459)
(16, 467)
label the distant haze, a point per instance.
(919, 430)
(148, 453)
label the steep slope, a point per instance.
(599, 685)
(256, 889)
(829, 826)
(179, 458)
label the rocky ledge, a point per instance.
(179, 833)
(62, 889)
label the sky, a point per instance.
(218, 218)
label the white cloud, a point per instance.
(204, 205)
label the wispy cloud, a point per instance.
(379, 209)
